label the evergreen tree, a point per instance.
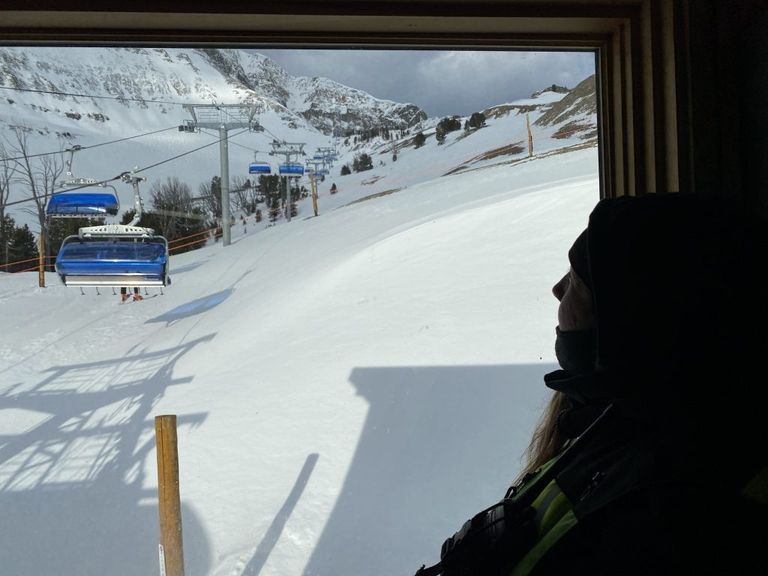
(23, 246)
(419, 140)
(148, 220)
(345, 170)
(269, 186)
(60, 228)
(477, 120)
(7, 229)
(439, 134)
(295, 195)
(270, 190)
(362, 162)
(274, 208)
(445, 126)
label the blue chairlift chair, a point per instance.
(259, 168)
(291, 169)
(116, 261)
(115, 255)
(82, 203)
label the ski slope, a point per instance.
(350, 388)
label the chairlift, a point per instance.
(113, 261)
(259, 168)
(115, 255)
(291, 169)
(83, 201)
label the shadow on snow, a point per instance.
(264, 549)
(438, 445)
(193, 308)
(72, 493)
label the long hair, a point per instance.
(547, 441)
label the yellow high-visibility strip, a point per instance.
(545, 543)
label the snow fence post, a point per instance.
(313, 184)
(169, 501)
(41, 261)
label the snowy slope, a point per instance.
(350, 388)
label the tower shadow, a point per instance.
(72, 484)
(439, 444)
(260, 556)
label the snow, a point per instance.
(349, 388)
(546, 97)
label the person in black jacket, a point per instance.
(651, 456)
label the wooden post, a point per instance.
(313, 183)
(169, 501)
(530, 136)
(41, 260)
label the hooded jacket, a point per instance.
(678, 287)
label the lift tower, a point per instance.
(223, 117)
(291, 168)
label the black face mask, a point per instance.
(575, 350)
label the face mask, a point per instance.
(575, 350)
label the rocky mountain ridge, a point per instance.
(139, 77)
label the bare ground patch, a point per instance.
(572, 148)
(568, 130)
(372, 196)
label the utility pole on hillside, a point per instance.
(223, 117)
(530, 136)
(313, 185)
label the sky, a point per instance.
(349, 388)
(440, 82)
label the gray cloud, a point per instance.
(441, 82)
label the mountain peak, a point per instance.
(194, 75)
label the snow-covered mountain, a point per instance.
(191, 75)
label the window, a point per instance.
(399, 316)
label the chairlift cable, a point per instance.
(204, 131)
(187, 153)
(120, 176)
(97, 96)
(130, 137)
(3, 159)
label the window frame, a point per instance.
(637, 63)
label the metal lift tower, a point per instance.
(223, 117)
(289, 150)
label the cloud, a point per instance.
(439, 81)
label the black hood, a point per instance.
(678, 288)
(679, 292)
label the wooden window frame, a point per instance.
(637, 64)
